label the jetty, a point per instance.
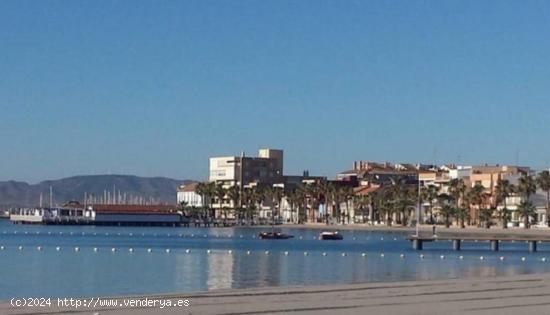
(493, 240)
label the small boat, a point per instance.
(332, 236)
(274, 236)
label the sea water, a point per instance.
(86, 261)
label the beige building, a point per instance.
(266, 168)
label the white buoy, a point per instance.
(381, 238)
(481, 258)
(354, 238)
(95, 249)
(39, 248)
(363, 255)
(76, 249)
(442, 256)
(205, 236)
(324, 254)
(248, 252)
(20, 247)
(286, 253)
(266, 252)
(421, 256)
(26, 232)
(382, 255)
(208, 251)
(113, 249)
(395, 238)
(305, 254)
(402, 256)
(230, 251)
(187, 251)
(543, 259)
(131, 250)
(58, 248)
(2, 247)
(131, 234)
(344, 254)
(300, 237)
(523, 259)
(168, 250)
(241, 236)
(192, 235)
(149, 250)
(253, 236)
(461, 257)
(501, 258)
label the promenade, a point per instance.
(528, 294)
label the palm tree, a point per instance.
(502, 191)
(475, 198)
(526, 209)
(234, 194)
(429, 194)
(457, 189)
(219, 193)
(447, 211)
(527, 186)
(485, 216)
(360, 204)
(505, 215)
(543, 181)
(205, 190)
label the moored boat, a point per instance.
(274, 236)
(331, 236)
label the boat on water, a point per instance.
(331, 236)
(274, 236)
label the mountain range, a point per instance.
(21, 194)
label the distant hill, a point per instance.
(161, 189)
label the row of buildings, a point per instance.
(365, 177)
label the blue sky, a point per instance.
(156, 87)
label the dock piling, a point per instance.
(456, 244)
(532, 246)
(494, 245)
(417, 244)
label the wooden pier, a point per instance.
(418, 241)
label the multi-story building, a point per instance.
(266, 168)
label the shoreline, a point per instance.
(486, 295)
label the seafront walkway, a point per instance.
(528, 294)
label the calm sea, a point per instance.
(66, 272)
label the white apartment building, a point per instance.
(187, 194)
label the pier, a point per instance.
(494, 242)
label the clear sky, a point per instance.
(156, 87)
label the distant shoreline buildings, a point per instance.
(350, 196)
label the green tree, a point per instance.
(475, 200)
(429, 193)
(526, 209)
(485, 216)
(447, 211)
(220, 193)
(543, 181)
(502, 191)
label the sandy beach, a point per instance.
(507, 295)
